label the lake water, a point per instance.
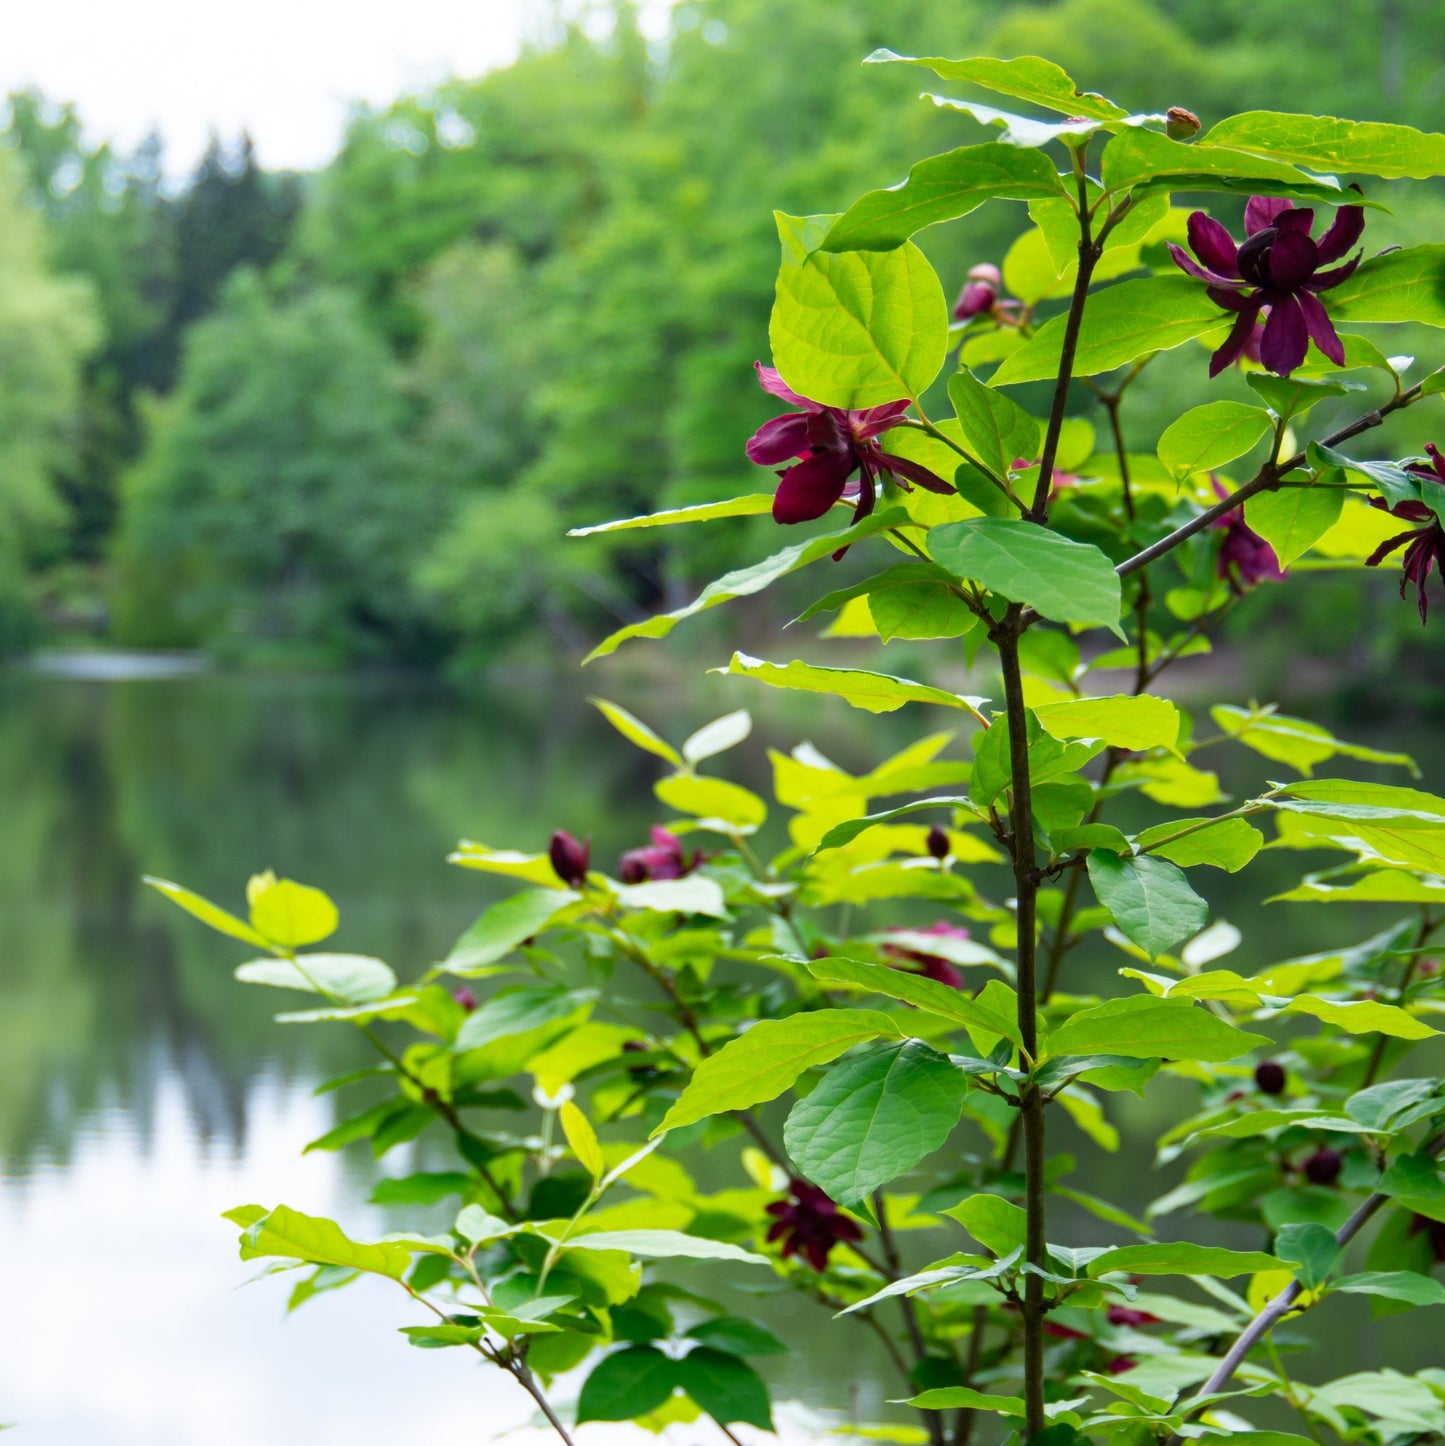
(143, 1091)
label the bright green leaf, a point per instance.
(1149, 898)
(1209, 436)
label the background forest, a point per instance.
(348, 416)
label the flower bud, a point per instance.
(570, 858)
(465, 998)
(1126, 1315)
(633, 868)
(1269, 1077)
(937, 843)
(1180, 124)
(1324, 1166)
(979, 293)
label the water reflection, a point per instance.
(142, 1091)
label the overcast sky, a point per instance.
(286, 70)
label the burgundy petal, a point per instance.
(1437, 459)
(1295, 220)
(1345, 230)
(914, 472)
(870, 422)
(1321, 329)
(772, 382)
(1235, 342)
(867, 495)
(1388, 546)
(1292, 260)
(1186, 262)
(1260, 211)
(1213, 245)
(1286, 338)
(1323, 280)
(811, 488)
(1232, 300)
(777, 440)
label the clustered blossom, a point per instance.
(810, 1224)
(569, 858)
(663, 858)
(831, 443)
(1426, 545)
(1275, 272)
(1245, 559)
(930, 966)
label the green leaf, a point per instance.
(745, 581)
(964, 1398)
(1019, 130)
(713, 798)
(1295, 395)
(1398, 286)
(738, 1334)
(1123, 721)
(844, 833)
(289, 1234)
(1301, 744)
(1026, 78)
(425, 1188)
(995, 429)
(518, 1010)
(207, 912)
(717, 737)
(627, 1384)
(855, 328)
(1121, 324)
(1149, 899)
(1209, 436)
(1293, 519)
(354, 978)
(873, 692)
(1142, 158)
(1378, 1107)
(1072, 582)
(1227, 843)
(997, 1224)
(1145, 1027)
(763, 1061)
(925, 605)
(1413, 1177)
(874, 1117)
(504, 926)
(1182, 1258)
(636, 731)
(1322, 142)
(927, 994)
(753, 505)
(727, 1388)
(475, 1225)
(1311, 1247)
(664, 1245)
(694, 894)
(1362, 1016)
(581, 1139)
(290, 914)
(1406, 1285)
(942, 188)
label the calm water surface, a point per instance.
(142, 1091)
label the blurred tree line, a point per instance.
(351, 415)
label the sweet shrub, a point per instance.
(590, 1036)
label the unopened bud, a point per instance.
(1269, 1077)
(465, 998)
(937, 843)
(1180, 124)
(980, 292)
(1324, 1166)
(570, 858)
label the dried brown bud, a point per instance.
(1180, 124)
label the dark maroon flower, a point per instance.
(1269, 1076)
(1324, 1166)
(833, 443)
(1426, 549)
(465, 998)
(1281, 262)
(809, 1224)
(570, 858)
(930, 966)
(1063, 1332)
(1120, 1364)
(937, 843)
(980, 292)
(663, 858)
(1245, 558)
(1127, 1315)
(1434, 1230)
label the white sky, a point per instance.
(286, 70)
